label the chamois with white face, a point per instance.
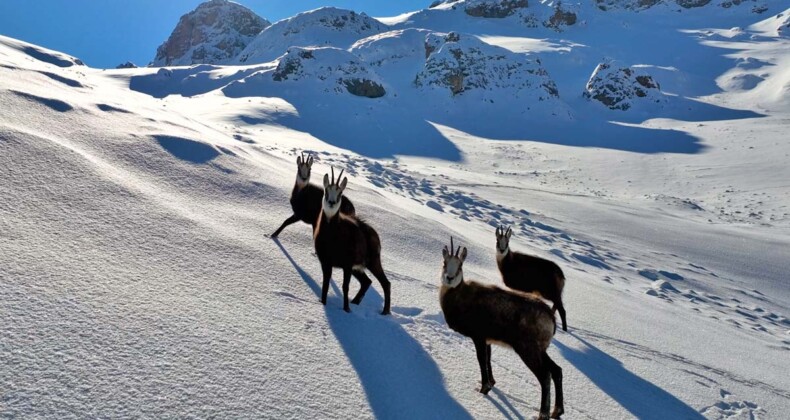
(306, 197)
(347, 242)
(528, 273)
(491, 315)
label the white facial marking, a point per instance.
(332, 197)
(452, 272)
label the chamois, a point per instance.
(347, 242)
(489, 314)
(306, 197)
(528, 273)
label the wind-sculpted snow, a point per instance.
(214, 33)
(327, 26)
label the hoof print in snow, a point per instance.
(622, 87)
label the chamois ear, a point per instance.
(463, 254)
(326, 181)
(445, 252)
(509, 232)
(299, 160)
(343, 183)
(310, 161)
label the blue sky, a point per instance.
(105, 33)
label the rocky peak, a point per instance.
(214, 33)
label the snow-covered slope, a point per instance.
(136, 279)
(327, 26)
(214, 33)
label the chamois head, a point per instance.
(303, 165)
(503, 240)
(333, 193)
(453, 267)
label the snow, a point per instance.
(136, 279)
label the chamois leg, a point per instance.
(534, 361)
(490, 372)
(556, 377)
(346, 281)
(364, 284)
(378, 273)
(327, 270)
(561, 310)
(289, 221)
(482, 358)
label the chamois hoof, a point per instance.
(323, 301)
(485, 388)
(543, 416)
(558, 411)
(385, 312)
(356, 301)
(347, 309)
(565, 328)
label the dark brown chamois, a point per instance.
(347, 242)
(528, 273)
(306, 197)
(488, 314)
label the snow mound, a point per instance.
(214, 33)
(461, 63)
(619, 87)
(327, 26)
(307, 70)
(42, 54)
(778, 25)
(392, 47)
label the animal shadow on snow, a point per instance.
(640, 397)
(399, 377)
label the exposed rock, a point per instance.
(126, 65)
(214, 33)
(327, 26)
(332, 69)
(618, 87)
(562, 17)
(646, 4)
(497, 9)
(688, 4)
(462, 63)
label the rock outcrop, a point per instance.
(461, 63)
(621, 88)
(214, 33)
(329, 69)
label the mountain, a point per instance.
(214, 33)
(327, 26)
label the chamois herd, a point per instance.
(516, 317)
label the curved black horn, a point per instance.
(452, 246)
(333, 175)
(340, 177)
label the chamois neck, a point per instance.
(500, 256)
(300, 183)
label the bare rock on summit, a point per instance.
(214, 33)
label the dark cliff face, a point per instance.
(214, 33)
